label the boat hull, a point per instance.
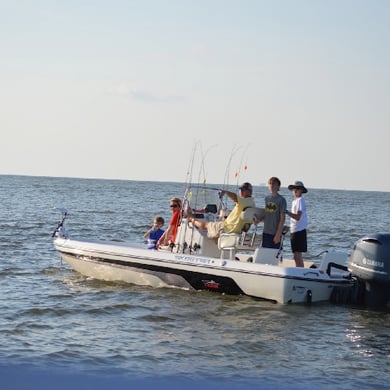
(114, 262)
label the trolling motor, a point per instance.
(60, 229)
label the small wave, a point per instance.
(111, 309)
(46, 311)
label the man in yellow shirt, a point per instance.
(233, 223)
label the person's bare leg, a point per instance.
(199, 224)
(298, 259)
(195, 222)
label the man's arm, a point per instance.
(230, 194)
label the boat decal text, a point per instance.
(194, 259)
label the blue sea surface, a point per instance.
(61, 329)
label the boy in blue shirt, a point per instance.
(155, 232)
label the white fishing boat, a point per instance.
(232, 264)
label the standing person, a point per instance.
(233, 223)
(298, 222)
(274, 216)
(155, 232)
(169, 235)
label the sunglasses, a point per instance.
(173, 205)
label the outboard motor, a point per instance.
(369, 262)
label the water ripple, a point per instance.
(53, 317)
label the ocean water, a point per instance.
(60, 329)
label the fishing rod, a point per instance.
(60, 227)
(200, 193)
(234, 151)
(199, 188)
(187, 185)
(227, 171)
(191, 166)
(203, 170)
(187, 192)
(238, 172)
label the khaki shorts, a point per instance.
(214, 229)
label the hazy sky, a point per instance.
(127, 89)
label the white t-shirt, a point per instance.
(298, 204)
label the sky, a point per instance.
(220, 91)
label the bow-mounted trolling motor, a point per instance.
(60, 229)
(369, 262)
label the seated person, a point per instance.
(155, 232)
(233, 223)
(169, 235)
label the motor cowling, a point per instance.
(369, 262)
(370, 258)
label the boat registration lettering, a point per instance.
(194, 259)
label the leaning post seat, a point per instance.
(251, 215)
(230, 242)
